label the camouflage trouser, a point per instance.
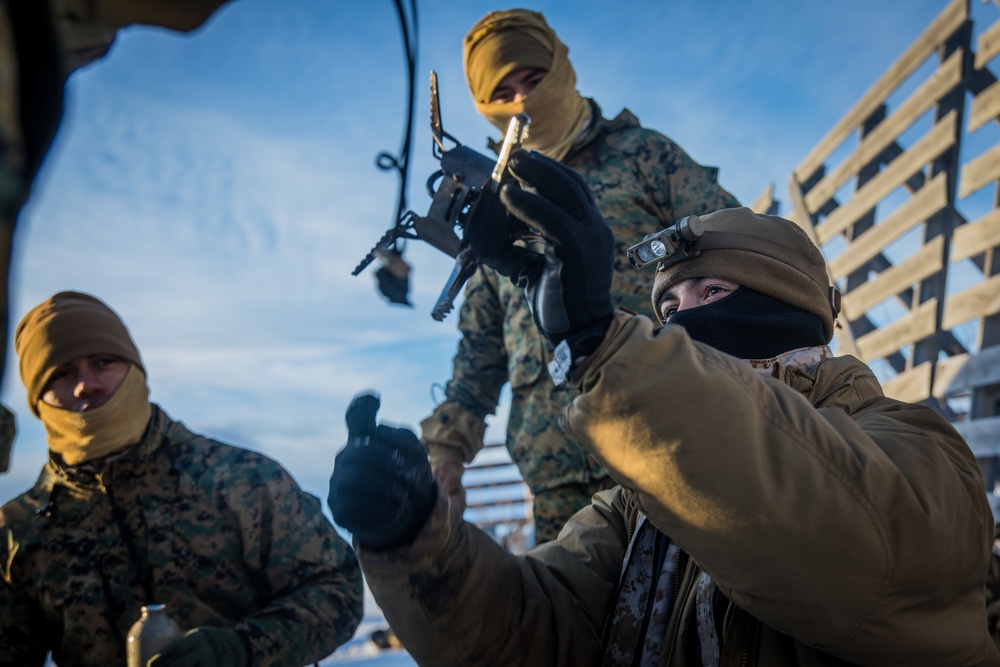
(553, 507)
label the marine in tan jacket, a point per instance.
(774, 507)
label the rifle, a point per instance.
(464, 195)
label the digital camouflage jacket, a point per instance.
(221, 535)
(802, 519)
(642, 182)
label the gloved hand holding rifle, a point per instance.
(569, 285)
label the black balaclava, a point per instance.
(751, 325)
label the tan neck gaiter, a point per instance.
(83, 436)
(558, 115)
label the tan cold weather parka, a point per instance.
(842, 527)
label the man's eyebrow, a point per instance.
(669, 294)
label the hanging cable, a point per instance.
(393, 276)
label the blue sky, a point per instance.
(217, 188)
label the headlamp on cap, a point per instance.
(677, 241)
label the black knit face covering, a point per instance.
(751, 325)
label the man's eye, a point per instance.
(712, 290)
(104, 362)
(667, 312)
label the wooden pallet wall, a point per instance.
(881, 193)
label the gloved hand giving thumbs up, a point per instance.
(382, 489)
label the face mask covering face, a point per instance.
(83, 436)
(751, 325)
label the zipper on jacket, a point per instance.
(682, 588)
(740, 645)
(632, 520)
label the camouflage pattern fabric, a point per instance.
(643, 182)
(223, 536)
(552, 508)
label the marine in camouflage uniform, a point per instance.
(41, 43)
(642, 182)
(221, 535)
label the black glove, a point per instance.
(569, 287)
(204, 647)
(382, 489)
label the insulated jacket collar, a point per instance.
(836, 382)
(83, 478)
(826, 380)
(600, 125)
(806, 357)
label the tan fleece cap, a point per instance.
(64, 327)
(763, 252)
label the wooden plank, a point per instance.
(952, 375)
(915, 325)
(845, 338)
(512, 477)
(982, 435)
(975, 237)
(945, 374)
(764, 200)
(979, 301)
(799, 215)
(487, 524)
(985, 107)
(979, 172)
(954, 15)
(497, 503)
(975, 370)
(911, 385)
(931, 145)
(927, 201)
(946, 77)
(987, 46)
(923, 263)
(487, 466)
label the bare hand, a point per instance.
(449, 477)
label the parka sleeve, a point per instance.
(454, 595)
(310, 574)
(864, 533)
